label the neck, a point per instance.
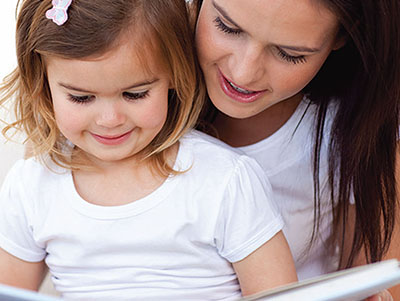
(240, 132)
(120, 182)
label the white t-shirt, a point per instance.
(286, 157)
(175, 244)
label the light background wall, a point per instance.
(10, 151)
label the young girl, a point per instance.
(311, 89)
(112, 203)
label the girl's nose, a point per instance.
(111, 114)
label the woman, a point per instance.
(311, 89)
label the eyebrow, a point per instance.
(294, 48)
(300, 48)
(224, 14)
(136, 85)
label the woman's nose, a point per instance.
(248, 66)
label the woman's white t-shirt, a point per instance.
(286, 157)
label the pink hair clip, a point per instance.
(59, 11)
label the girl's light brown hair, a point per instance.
(93, 28)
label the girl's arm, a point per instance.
(269, 266)
(19, 273)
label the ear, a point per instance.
(341, 40)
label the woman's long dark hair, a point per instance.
(363, 78)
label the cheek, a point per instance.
(154, 115)
(309, 70)
(209, 42)
(292, 80)
(69, 120)
(202, 43)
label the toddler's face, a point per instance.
(110, 106)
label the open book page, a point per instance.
(348, 285)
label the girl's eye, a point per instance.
(290, 58)
(80, 99)
(136, 95)
(224, 28)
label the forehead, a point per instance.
(307, 21)
(127, 62)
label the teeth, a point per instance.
(240, 89)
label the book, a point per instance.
(352, 284)
(348, 285)
(10, 293)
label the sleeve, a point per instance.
(16, 217)
(248, 218)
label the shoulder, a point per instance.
(206, 155)
(308, 120)
(203, 144)
(24, 169)
(32, 167)
(207, 152)
(31, 176)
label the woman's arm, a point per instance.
(394, 248)
(393, 252)
(19, 273)
(269, 266)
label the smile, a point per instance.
(112, 140)
(237, 93)
(239, 89)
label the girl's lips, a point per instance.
(112, 140)
(235, 94)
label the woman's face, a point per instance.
(257, 53)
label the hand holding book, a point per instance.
(349, 285)
(381, 296)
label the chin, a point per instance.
(237, 112)
(113, 157)
(239, 115)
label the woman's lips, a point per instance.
(112, 140)
(239, 94)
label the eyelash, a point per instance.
(127, 95)
(79, 99)
(289, 58)
(135, 96)
(224, 28)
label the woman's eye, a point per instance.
(135, 95)
(80, 99)
(290, 58)
(224, 28)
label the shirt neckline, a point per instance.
(286, 129)
(135, 207)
